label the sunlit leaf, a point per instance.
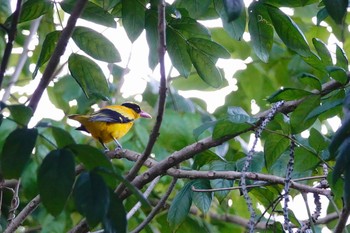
(95, 45)
(55, 180)
(133, 13)
(88, 75)
(342, 59)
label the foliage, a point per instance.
(291, 53)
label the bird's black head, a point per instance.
(132, 106)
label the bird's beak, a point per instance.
(145, 114)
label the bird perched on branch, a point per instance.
(111, 122)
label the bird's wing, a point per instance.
(110, 116)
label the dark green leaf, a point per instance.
(338, 73)
(261, 30)
(233, 9)
(304, 160)
(287, 94)
(202, 199)
(290, 3)
(326, 106)
(91, 197)
(317, 140)
(275, 145)
(288, 31)
(115, 221)
(92, 12)
(322, 14)
(342, 59)
(238, 115)
(227, 127)
(177, 49)
(62, 137)
(204, 158)
(55, 180)
(234, 28)
(88, 75)
(16, 152)
(310, 80)
(257, 164)
(91, 157)
(322, 51)
(205, 67)
(195, 8)
(32, 9)
(48, 47)
(298, 117)
(180, 206)
(343, 160)
(342, 134)
(201, 129)
(95, 45)
(151, 26)
(347, 187)
(209, 47)
(21, 114)
(336, 9)
(133, 13)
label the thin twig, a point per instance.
(156, 209)
(11, 38)
(58, 52)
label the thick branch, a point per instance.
(58, 52)
(229, 175)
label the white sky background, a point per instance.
(140, 73)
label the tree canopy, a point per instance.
(277, 135)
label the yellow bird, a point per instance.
(111, 122)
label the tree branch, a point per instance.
(11, 37)
(58, 52)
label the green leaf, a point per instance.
(238, 115)
(288, 31)
(91, 197)
(234, 28)
(326, 106)
(177, 49)
(339, 137)
(336, 9)
(322, 51)
(47, 49)
(88, 75)
(62, 137)
(32, 9)
(322, 14)
(91, 157)
(115, 220)
(16, 152)
(310, 80)
(304, 160)
(338, 73)
(21, 114)
(205, 158)
(342, 59)
(195, 8)
(202, 199)
(205, 67)
(261, 30)
(347, 188)
(56, 176)
(209, 47)
(227, 127)
(133, 13)
(201, 129)
(95, 45)
(221, 183)
(298, 117)
(189, 28)
(180, 206)
(287, 94)
(275, 145)
(317, 140)
(92, 13)
(151, 26)
(233, 9)
(290, 3)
